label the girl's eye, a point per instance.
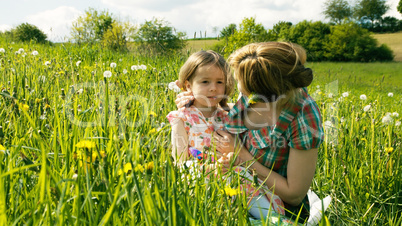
(204, 81)
(220, 82)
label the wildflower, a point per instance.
(86, 144)
(386, 120)
(390, 94)
(397, 123)
(47, 63)
(24, 107)
(47, 106)
(253, 98)
(78, 63)
(139, 168)
(174, 87)
(230, 191)
(327, 124)
(152, 131)
(389, 150)
(149, 166)
(95, 155)
(395, 114)
(80, 91)
(113, 65)
(134, 67)
(34, 53)
(107, 74)
(318, 86)
(2, 148)
(143, 67)
(151, 113)
(124, 71)
(363, 97)
(20, 50)
(345, 94)
(330, 95)
(75, 176)
(366, 108)
(2, 50)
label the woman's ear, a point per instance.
(187, 85)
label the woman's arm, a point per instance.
(300, 173)
(179, 141)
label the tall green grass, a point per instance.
(45, 110)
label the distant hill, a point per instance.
(394, 41)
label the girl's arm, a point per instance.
(300, 173)
(179, 141)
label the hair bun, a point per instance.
(303, 78)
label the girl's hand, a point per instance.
(183, 98)
(226, 160)
(225, 142)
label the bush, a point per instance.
(27, 32)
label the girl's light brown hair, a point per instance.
(272, 70)
(206, 58)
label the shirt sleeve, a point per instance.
(306, 131)
(175, 116)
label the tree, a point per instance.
(228, 30)
(158, 34)
(279, 31)
(27, 32)
(91, 27)
(337, 10)
(371, 9)
(399, 8)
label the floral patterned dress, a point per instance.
(199, 128)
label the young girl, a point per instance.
(207, 76)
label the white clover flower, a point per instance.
(107, 74)
(327, 124)
(2, 50)
(75, 176)
(366, 108)
(134, 67)
(47, 63)
(386, 120)
(78, 63)
(143, 67)
(330, 95)
(113, 65)
(395, 114)
(363, 97)
(21, 50)
(124, 71)
(80, 91)
(174, 87)
(34, 53)
(24, 54)
(342, 119)
(345, 94)
(397, 123)
(390, 94)
(318, 86)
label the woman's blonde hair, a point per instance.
(271, 70)
(205, 58)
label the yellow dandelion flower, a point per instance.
(120, 172)
(139, 168)
(2, 148)
(149, 166)
(47, 106)
(152, 131)
(127, 168)
(389, 150)
(86, 144)
(230, 191)
(320, 93)
(151, 113)
(24, 107)
(37, 100)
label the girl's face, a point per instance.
(208, 86)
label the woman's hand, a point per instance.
(226, 160)
(225, 142)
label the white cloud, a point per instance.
(55, 23)
(5, 27)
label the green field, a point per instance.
(123, 175)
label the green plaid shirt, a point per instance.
(299, 126)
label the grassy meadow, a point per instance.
(79, 148)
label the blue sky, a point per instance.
(55, 17)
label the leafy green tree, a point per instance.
(350, 42)
(27, 32)
(228, 30)
(280, 31)
(371, 9)
(91, 27)
(249, 31)
(116, 37)
(337, 10)
(158, 34)
(399, 8)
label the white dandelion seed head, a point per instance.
(12, 69)
(388, 114)
(363, 97)
(78, 63)
(330, 95)
(24, 54)
(134, 67)
(113, 65)
(21, 50)
(80, 91)
(174, 87)
(342, 119)
(47, 63)
(124, 71)
(107, 74)
(34, 53)
(327, 124)
(395, 114)
(397, 123)
(345, 94)
(2, 50)
(390, 94)
(75, 176)
(318, 86)
(143, 67)
(366, 108)
(386, 120)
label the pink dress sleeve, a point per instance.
(175, 116)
